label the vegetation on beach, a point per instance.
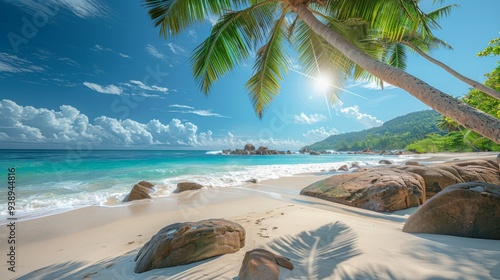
(458, 138)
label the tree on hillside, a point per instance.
(267, 26)
(484, 102)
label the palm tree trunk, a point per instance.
(489, 91)
(443, 103)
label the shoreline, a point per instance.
(97, 242)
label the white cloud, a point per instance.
(181, 106)
(177, 49)
(319, 134)
(192, 33)
(109, 89)
(123, 55)
(80, 8)
(154, 52)
(150, 88)
(67, 126)
(208, 141)
(354, 113)
(100, 48)
(148, 95)
(206, 113)
(13, 64)
(311, 119)
(213, 19)
(192, 110)
(83, 8)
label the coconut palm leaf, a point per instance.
(230, 42)
(385, 16)
(174, 16)
(271, 65)
(397, 57)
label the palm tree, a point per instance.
(245, 24)
(447, 124)
(395, 54)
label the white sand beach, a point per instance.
(324, 240)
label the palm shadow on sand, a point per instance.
(317, 253)
(122, 268)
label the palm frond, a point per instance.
(398, 56)
(230, 42)
(271, 65)
(174, 16)
(394, 17)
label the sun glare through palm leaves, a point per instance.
(323, 85)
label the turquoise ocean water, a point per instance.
(49, 181)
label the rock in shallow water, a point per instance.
(378, 189)
(187, 186)
(467, 209)
(184, 243)
(140, 191)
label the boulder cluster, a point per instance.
(249, 149)
(392, 188)
(458, 198)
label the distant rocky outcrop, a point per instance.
(187, 186)
(184, 243)
(378, 189)
(469, 209)
(439, 176)
(139, 191)
(260, 264)
(315, 153)
(249, 149)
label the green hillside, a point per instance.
(395, 134)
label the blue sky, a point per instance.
(97, 74)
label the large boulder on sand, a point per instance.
(467, 209)
(439, 176)
(140, 190)
(378, 189)
(184, 243)
(187, 186)
(260, 264)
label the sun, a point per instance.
(321, 83)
